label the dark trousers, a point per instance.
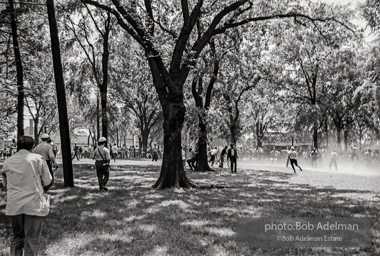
(75, 155)
(103, 177)
(221, 161)
(26, 235)
(47, 187)
(192, 162)
(233, 163)
(212, 159)
(294, 162)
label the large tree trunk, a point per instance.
(36, 130)
(233, 133)
(339, 136)
(259, 137)
(315, 135)
(144, 139)
(103, 99)
(97, 117)
(61, 98)
(104, 86)
(345, 137)
(327, 133)
(202, 164)
(172, 171)
(20, 73)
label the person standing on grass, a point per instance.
(24, 175)
(213, 153)
(334, 160)
(45, 149)
(192, 159)
(115, 152)
(292, 157)
(232, 156)
(314, 158)
(222, 155)
(155, 153)
(102, 163)
(76, 152)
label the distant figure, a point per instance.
(85, 151)
(232, 156)
(115, 152)
(24, 175)
(213, 153)
(354, 153)
(314, 158)
(222, 155)
(334, 160)
(45, 149)
(292, 156)
(154, 153)
(191, 161)
(76, 152)
(123, 152)
(102, 160)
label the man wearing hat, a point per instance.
(102, 157)
(45, 149)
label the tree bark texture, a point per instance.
(172, 170)
(104, 86)
(61, 97)
(202, 164)
(315, 134)
(19, 71)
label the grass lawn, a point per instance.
(133, 219)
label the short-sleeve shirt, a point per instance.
(26, 173)
(101, 154)
(45, 150)
(292, 154)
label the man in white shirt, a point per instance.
(102, 163)
(213, 153)
(24, 175)
(115, 152)
(45, 149)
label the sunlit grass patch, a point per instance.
(179, 203)
(158, 251)
(149, 228)
(223, 232)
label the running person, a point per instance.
(292, 156)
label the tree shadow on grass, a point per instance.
(134, 219)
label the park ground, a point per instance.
(134, 219)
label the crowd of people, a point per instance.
(311, 157)
(7, 151)
(123, 152)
